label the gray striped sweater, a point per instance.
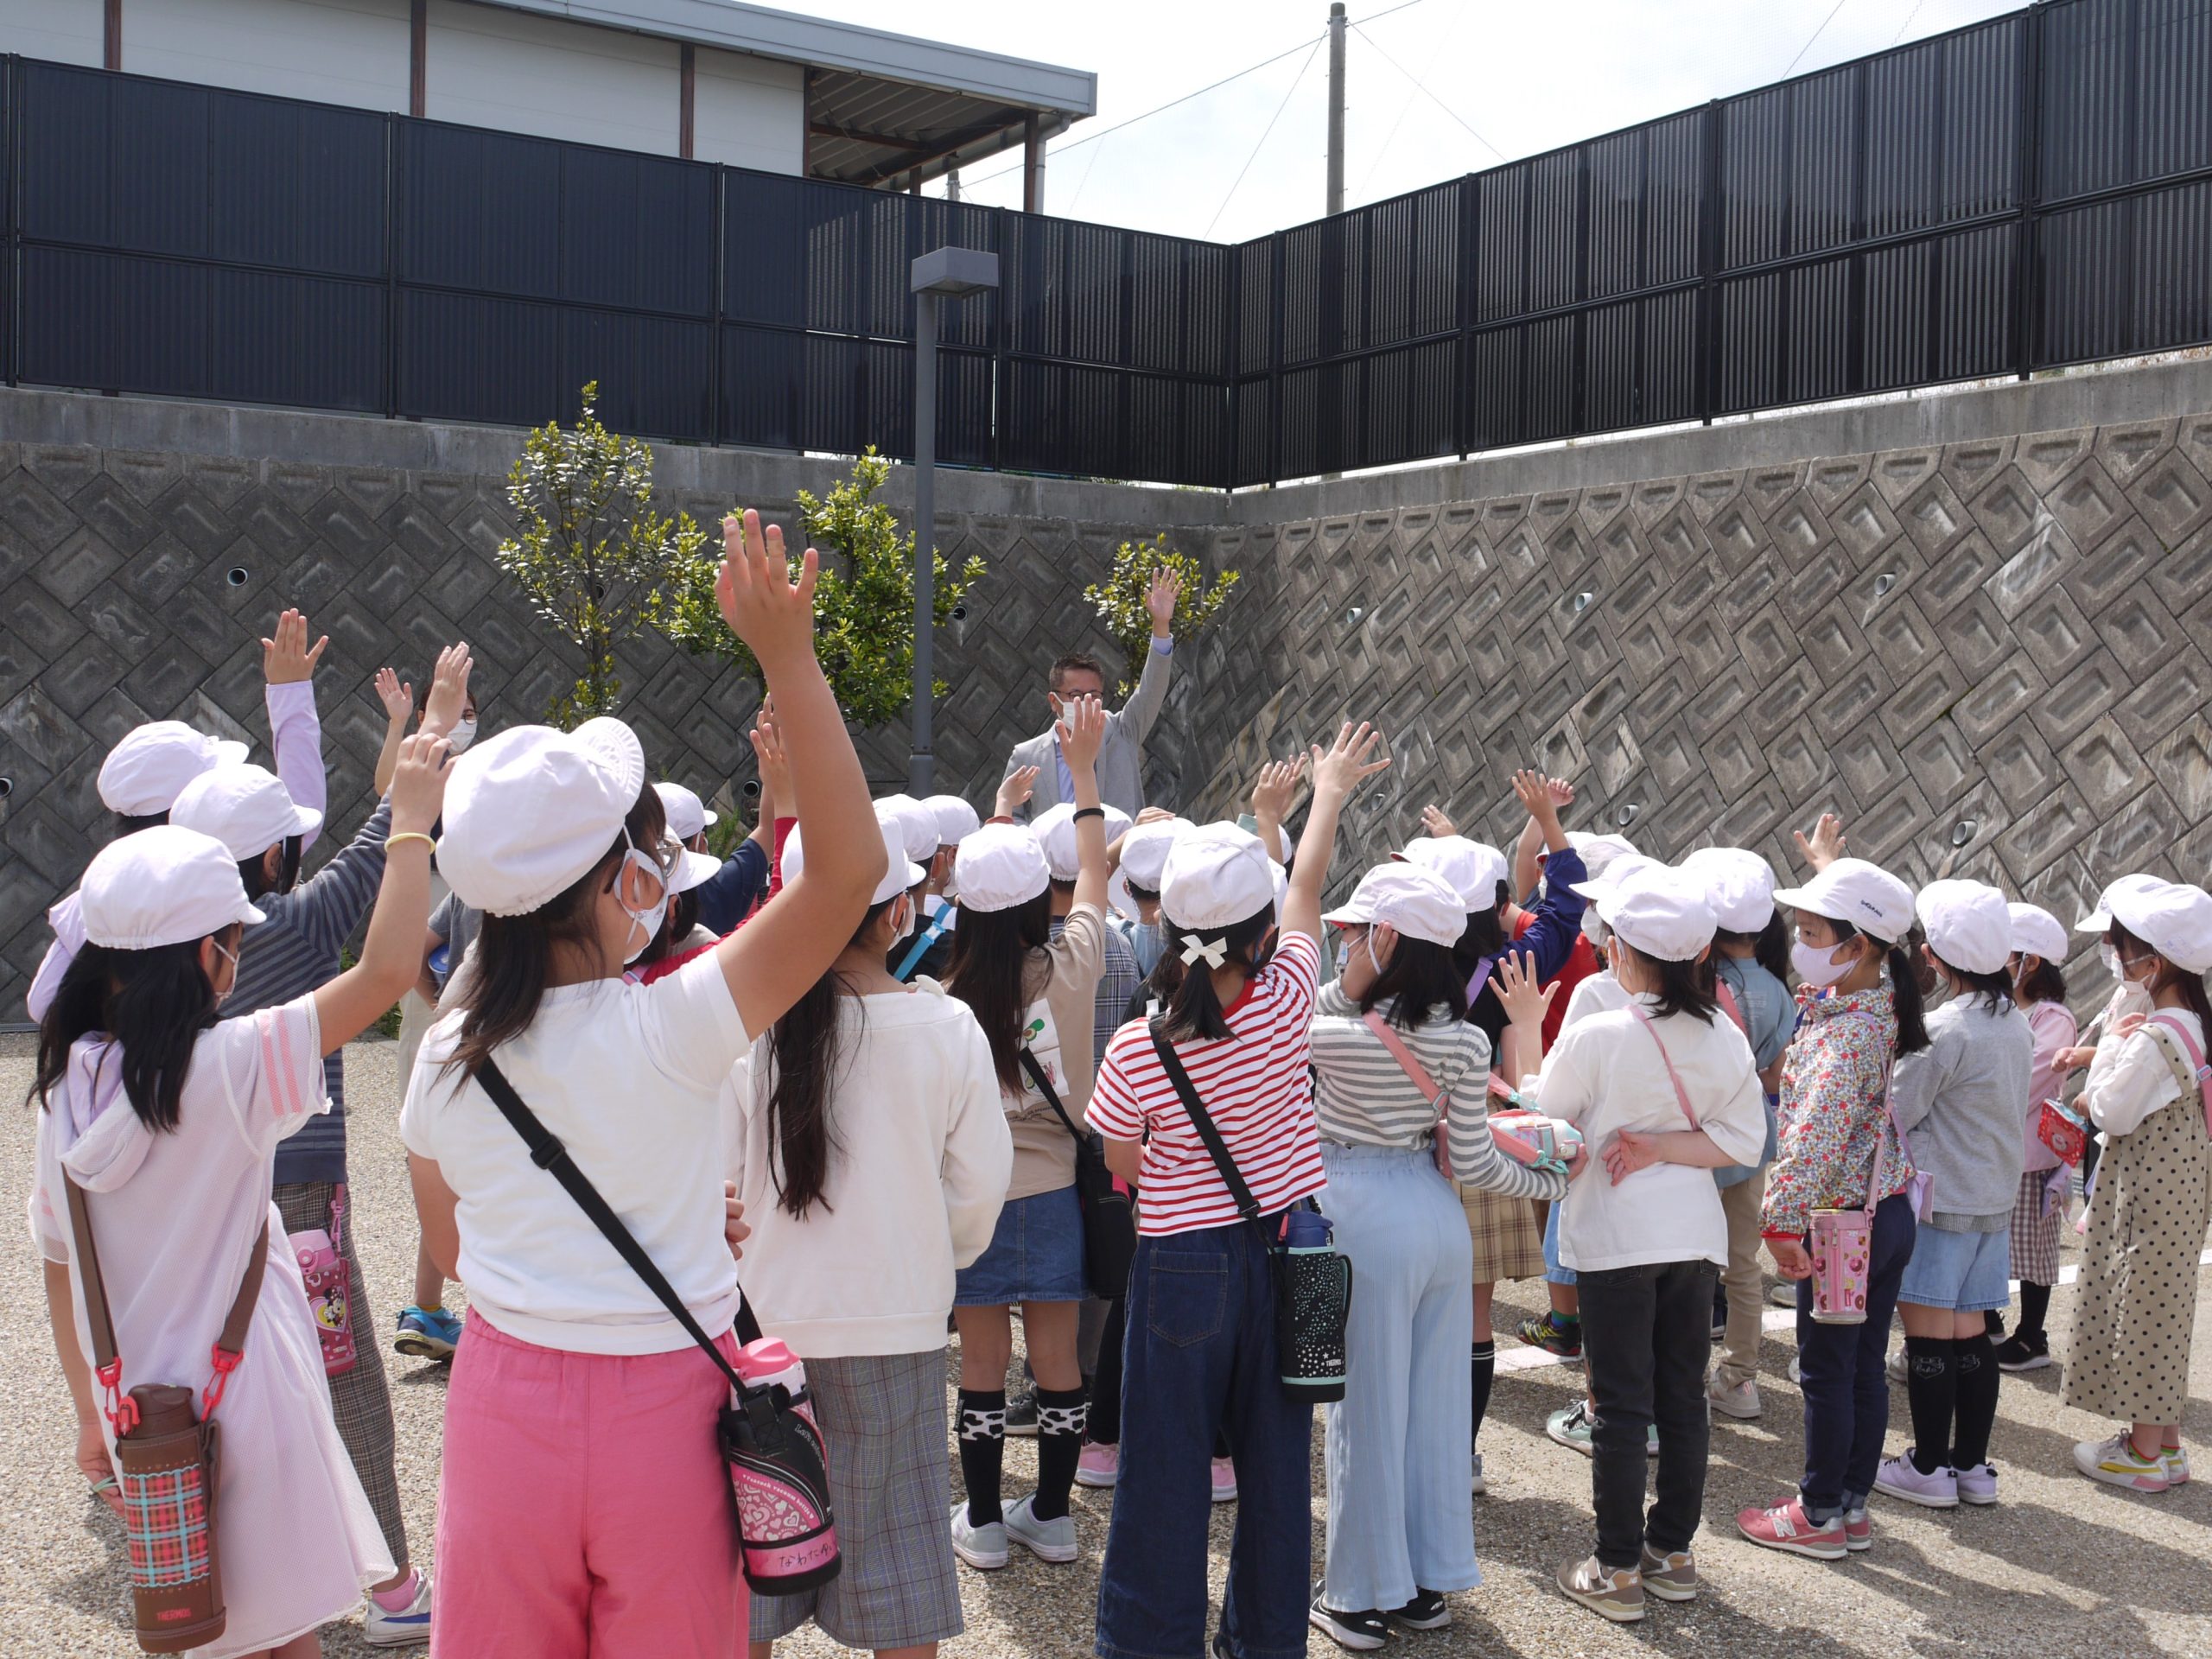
(1364, 1098)
(295, 952)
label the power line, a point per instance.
(1816, 35)
(1404, 109)
(1432, 96)
(1909, 16)
(1256, 149)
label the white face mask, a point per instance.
(2109, 955)
(644, 923)
(1593, 929)
(907, 928)
(224, 995)
(463, 734)
(1815, 966)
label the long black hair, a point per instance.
(1485, 936)
(153, 1004)
(1194, 1014)
(2047, 983)
(514, 954)
(989, 972)
(2191, 986)
(253, 872)
(1684, 986)
(804, 1044)
(1904, 987)
(1422, 976)
(1994, 988)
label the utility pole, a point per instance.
(1336, 106)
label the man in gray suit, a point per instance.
(1121, 759)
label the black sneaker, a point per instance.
(2021, 1352)
(1428, 1610)
(1021, 1413)
(1362, 1632)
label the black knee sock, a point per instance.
(2035, 1308)
(1221, 1442)
(1992, 1323)
(1482, 1363)
(1932, 1386)
(1061, 1414)
(1976, 1364)
(982, 1452)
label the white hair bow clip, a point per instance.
(1213, 952)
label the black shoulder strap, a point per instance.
(548, 1154)
(1247, 1205)
(1052, 1096)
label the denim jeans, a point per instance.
(1647, 1332)
(1199, 1356)
(1846, 1393)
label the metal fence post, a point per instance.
(1462, 413)
(1708, 268)
(2028, 187)
(1275, 357)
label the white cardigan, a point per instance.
(919, 1168)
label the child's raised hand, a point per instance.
(448, 690)
(1340, 768)
(1825, 845)
(1534, 791)
(1434, 821)
(1524, 998)
(773, 614)
(1082, 731)
(396, 695)
(286, 659)
(1019, 786)
(418, 783)
(1276, 789)
(776, 794)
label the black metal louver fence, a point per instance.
(2025, 193)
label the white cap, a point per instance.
(1216, 875)
(1055, 832)
(1739, 883)
(529, 812)
(1967, 922)
(161, 886)
(246, 808)
(1470, 869)
(143, 774)
(1617, 872)
(1144, 850)
(1419, 904)
(692, 870)
(1852, 890)
(1660, 911)
(956, 819)
(1001, 866)
(2173, 919)
(2036, 933)
(688, 816)
(900, 871)
(1597, 851)
(918, 831)
(2100, 920)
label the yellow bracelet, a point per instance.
(391, 841)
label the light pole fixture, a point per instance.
(946, 273)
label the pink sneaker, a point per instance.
(1858, 1531)
(1787, 1527)
(1225, 1481)
(1099, 1466)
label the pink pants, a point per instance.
(583, 1508)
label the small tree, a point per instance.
(590, 553)
(1120, 600)
(863, 601)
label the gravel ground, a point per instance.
(2062, 1566)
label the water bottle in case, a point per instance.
(779, 1470)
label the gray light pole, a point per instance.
(948, 272)
(1337, 108)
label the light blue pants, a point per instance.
(1400, 1515)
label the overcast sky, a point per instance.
(1505, 73)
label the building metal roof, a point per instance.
(880, 105)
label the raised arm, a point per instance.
(287, 664)
(391, 955)
(1536, 833)
(397, 696)
(1338, 771)
(1825, 845)
(1272, 796)
(772, 961)
(1081, 729)
(1137, 714)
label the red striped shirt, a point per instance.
(1254, 1086)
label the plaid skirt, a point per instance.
(1508, 1243)
(883, 1420)
(2034, 1235)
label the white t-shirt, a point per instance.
(1598, 993)
(629, 1078)
(1604, 1075)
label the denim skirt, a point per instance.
(1036, 1255)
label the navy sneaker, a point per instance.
(427, 1335)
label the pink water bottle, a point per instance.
(329, 1297)
(779, 1470)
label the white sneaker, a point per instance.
(981, 1548)
(1480, 1485)
(1894, 1366)
(1739, 1400)
(404, 1627)
(1048, 1541)
(1223, 1474)
(1796, 1371)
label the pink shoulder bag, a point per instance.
(1843, 1240)
(1418, 1074)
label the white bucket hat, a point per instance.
(688, 816)
(2036, 933)
(1216, 876)
(1968, 924)
(1852, 890)
(1738, 884)
(1471, 868)
(1660, 911)
(529, 812)
(246, 808)
(1419, 904)
(161, 886)
(999, 866)
(1055, 831)
(143, 773)
(900, 871)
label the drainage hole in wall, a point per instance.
(239, 575)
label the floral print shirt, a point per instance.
(1835, 1115)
